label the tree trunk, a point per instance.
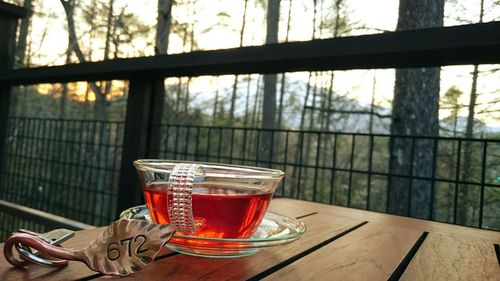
(247, 101)
(101, 105)
(101, 102)
(269, 101)
(20, 53)
(256, 103)
(64, 94)
(372, 103)
(235, 83)
(283, 76)
(23, 34)
(164, 19)
(214, 112)
(76, 46)
(191, 39)
(469, 133)
(163, 24)
(414, 112)
(186, 102)
(465, 201)
(107, 42)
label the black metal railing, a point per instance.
(64, 167)
(71, 167)
(354, 169)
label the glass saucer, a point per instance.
(274, 230)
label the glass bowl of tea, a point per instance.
(206, 199)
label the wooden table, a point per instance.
(340, 244)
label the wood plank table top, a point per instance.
(340, 244)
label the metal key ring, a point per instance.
(26, 254)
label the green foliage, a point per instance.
(452, 95)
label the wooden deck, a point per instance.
(340, 244)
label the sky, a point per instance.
(214, 30)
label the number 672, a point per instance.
(113, 249)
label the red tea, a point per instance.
(217, 215)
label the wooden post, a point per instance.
(144, 110)
(9, 14)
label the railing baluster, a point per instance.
(116, 148)
(102, 165)
(54, 188)
(107, 190)
(208, 143)
(78, 167)
(257, 147)
(301, 140)
(410, 184)
(44, 153)
(231, 146)
(389, 176)
(351, 164)
(186, 145)
(167, 142)
(17, 163)
(244, 150)
(24, 163)
(65, 143)
(285, 161)
(369, 183)
(271, 150)
(219, 147)
(176, 142)
(197, 146)
(315, 180)
(483, 178)
(334, 163)
(85, 194)
(433, 178)
(7, 160)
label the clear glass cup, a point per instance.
(207, 199)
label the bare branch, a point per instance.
(76, 46)
(332, 111)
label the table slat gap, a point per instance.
(306, 215)
(90, 277)
(304, 253)
(398, 272)
(497, 252)
(373, 252)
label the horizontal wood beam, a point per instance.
(37, 216)
(457, 45)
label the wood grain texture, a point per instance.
(393, 220)
(371, 252)
(184, 267)
(442, 257)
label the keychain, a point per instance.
(124, 247)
